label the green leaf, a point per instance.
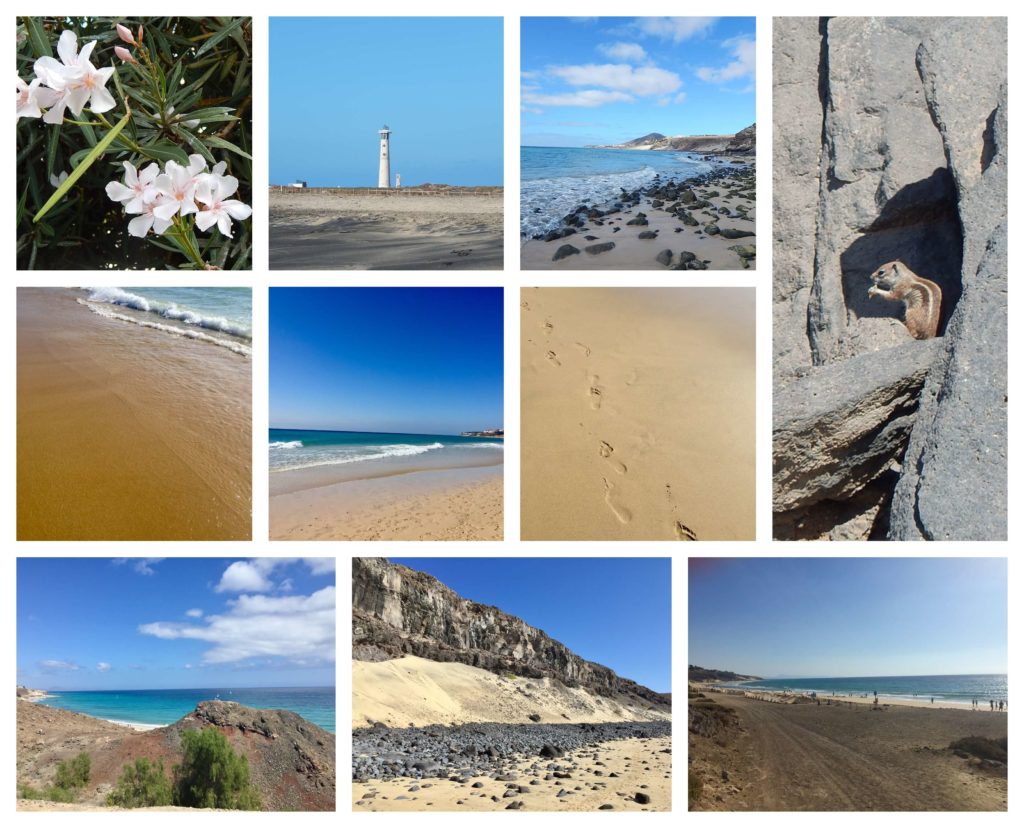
(21, 205)
(166, 151)
(51, 149)
(212, 114)
(37, 37)
(195, 143)
(78, 171)
(215, 141)
(217, 38)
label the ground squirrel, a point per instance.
(921, 298)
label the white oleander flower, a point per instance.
(138, 187)
(75, 80)
(213, 192)
(34, 98)
(178, 186)
(148, 218)
(57, 180)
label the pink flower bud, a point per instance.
(125, 34)
(124, 54)
(139, 38)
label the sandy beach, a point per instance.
(386, 230)
(640, 765)
(727, 212)
(750, 754)
(414, 503)
(413, 691)
(127, 432)
(637, 414)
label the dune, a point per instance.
(414, 692)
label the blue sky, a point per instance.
(165, 623)
(605, 80)
(436, 82)
(846, 617)
(398, 360)
(615, 611)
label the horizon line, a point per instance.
(352, 431)
(226, 687)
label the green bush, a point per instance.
(696, 788)
(50, 794)
(142, 785)
(73, 773)
(168, 91)
(212, 775)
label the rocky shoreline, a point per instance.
(483, 749)
(715, 208)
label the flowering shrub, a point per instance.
(133, 142)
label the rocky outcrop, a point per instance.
(743, 142)
(883, 151)
(397, 610)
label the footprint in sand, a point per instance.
(606, 451)
(632, 377)
(684, 532)
(594, 393)
(553, 359)
(524, 305)
(584, 348)
(548, 326)
(621, 513)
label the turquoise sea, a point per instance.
(164, 707)
(949, 689)
(556, 180)
(299, 449)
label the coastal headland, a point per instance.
(460, 706)
(430, 227)
(762, 751)
(291, 760)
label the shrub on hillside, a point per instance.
(142, 785)
(212, 775)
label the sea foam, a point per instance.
(188, 333)
(168, 310)
(337, 457)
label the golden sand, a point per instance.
(642, 766)
(447, 504)
(637, 413)
(415, 692)
(127, 433)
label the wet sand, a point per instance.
(633, 253)
(642, 766)
(637, 414)
(430, 504)
(126, 432)
(344, 231)
(806, 757)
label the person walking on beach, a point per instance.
(933, 699)
(991, 705)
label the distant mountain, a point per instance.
(704, 674)
(743, 142)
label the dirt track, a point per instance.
(836, 758)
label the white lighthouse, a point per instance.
(384, 179)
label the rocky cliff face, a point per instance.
(890, 144)
(743, 142)
(396, 610)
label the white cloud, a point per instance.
(676, 29)
(294, 627)
(53, 664)
(143, 566)
(680, 98)
(742, 65)
(103, 667)
(243, 576)
(194, 613)
(188, 666)
(664, 101)
(623, 51)
(584, 97)
(254, 574)
(642, 80)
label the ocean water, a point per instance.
(294, 449)
(948, 689)
(221, 316)
(164, 707)
(555, 180)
